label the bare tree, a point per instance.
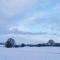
(10, 43)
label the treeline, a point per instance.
(11, 43)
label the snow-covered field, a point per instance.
(30, 53)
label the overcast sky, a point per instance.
(31, 18)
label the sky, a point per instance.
(30, 19)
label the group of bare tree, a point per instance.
(11, 43)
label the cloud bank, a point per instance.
(34, 17)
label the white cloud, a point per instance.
(46, 20)
(11, 7)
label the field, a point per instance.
(30, 53)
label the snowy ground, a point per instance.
(30, 53)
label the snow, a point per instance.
(30, 53)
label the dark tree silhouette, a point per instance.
(22, 45)
(38, 45)
(10, 43)
(51, 42)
